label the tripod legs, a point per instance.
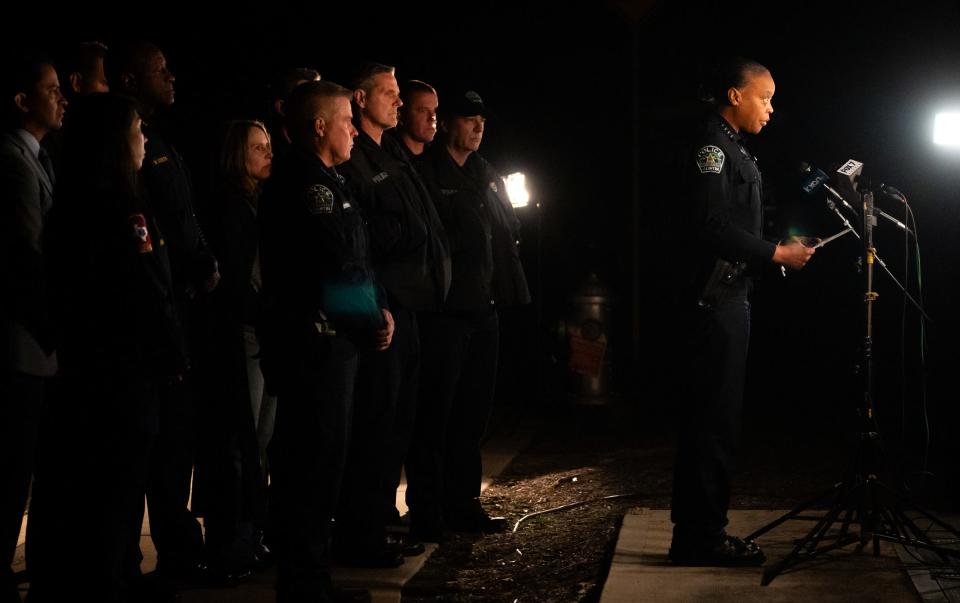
(881, 513)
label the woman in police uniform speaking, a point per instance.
(723, 211)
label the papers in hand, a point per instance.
(815, 242)
(830, 238)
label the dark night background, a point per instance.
(592, 98)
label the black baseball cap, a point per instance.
(465, 103)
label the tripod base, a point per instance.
(860, 511)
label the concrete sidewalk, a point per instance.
(384, 584)
(641, 570)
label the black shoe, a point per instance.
(408, 545)
(730, 551)
(263, 557)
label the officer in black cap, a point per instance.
(460, 343)
(724, 207)
(411, 259)
(321, 305)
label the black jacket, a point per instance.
(314, 257)
(482, 228)
(170, 194)
(408, 246)
(234, 233)
(112, 292)
(724, 204)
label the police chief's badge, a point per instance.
(319, 199)
(710, 160)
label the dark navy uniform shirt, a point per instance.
(314, 253)
(170, 193)
(725, 197)
(409, 248)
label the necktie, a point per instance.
(44, 158)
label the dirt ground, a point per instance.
(585, 453)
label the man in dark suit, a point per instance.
(34, 108)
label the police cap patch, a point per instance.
(710, 160)
(319, 199)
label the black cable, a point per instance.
(576, 504)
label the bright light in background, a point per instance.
(517, 189)
(946, 129)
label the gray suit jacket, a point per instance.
(26, 195)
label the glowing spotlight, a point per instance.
(517, 189)
(946, 129)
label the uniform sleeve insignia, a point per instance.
(319, 199)
(710, 160)
(141, 233)
(493, 187)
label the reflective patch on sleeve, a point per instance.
(319, 199)
(710, 160)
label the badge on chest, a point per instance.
(319, 199)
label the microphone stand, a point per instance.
(833, 207)
(861, 508)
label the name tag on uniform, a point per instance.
(380, 177)
(346, 205)
(446, 192)
(160, 160)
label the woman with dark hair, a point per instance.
(238, 412)
(120, 341)
(721, 213)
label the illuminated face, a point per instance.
(753, 103)
(420, 117)
(382, 103)
(44, 105)
(465, 133)
(338, 132)
(156, 81)
(138, 142)
(259, 154)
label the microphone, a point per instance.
(816, 178)
(892, 192)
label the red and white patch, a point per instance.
(142, 233)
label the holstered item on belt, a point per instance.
(722, 282)
(323, 325)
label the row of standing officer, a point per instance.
(382, 269)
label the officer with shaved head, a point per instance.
(322, 305)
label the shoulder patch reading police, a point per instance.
(493, 187)
(319, 199)
(710, 160)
